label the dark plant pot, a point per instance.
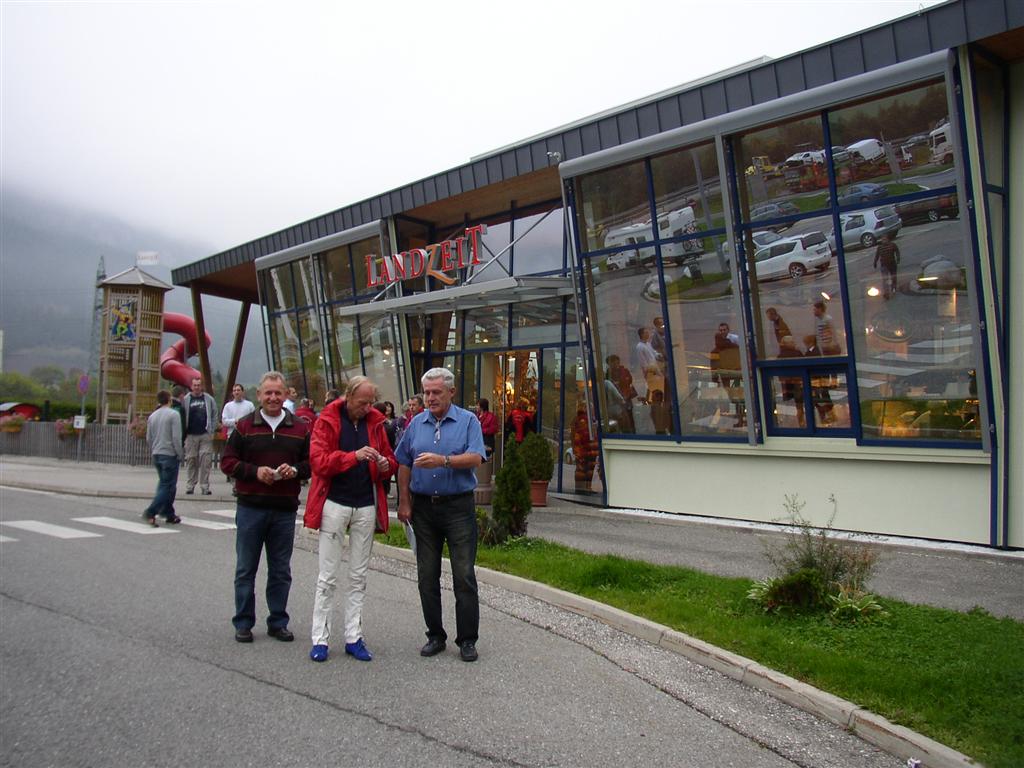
(539, 493)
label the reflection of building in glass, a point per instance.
(760, 284)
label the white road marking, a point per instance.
(49, 529)
(123, 525)
(6, 538)
(220, 512)
(209, 525)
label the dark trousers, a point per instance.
(166, 486)
(434, 523)
(274, 530)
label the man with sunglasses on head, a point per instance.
(440, 450)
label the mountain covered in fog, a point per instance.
(49, 253)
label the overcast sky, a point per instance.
(223, 121)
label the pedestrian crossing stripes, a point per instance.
(49, 529)
(122, 525)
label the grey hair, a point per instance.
(444, 374)
(356, 382)
(270, 375)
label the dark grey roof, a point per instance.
(935, 29)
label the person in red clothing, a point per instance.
(268, 457)
(488, 425)
(350, 456)
(519, 421)
(305, 411)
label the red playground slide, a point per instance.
(172, 362)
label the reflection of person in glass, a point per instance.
(584, 449)
(647, 361)
(825, 330)
(658, 336)
(621, 380)
(887, 254)
(779, 325)
(724, 370)
(792, 389)
(660, 416)
(819, 385)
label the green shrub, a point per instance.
(536, 453)
(511, 504)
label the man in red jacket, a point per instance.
(350, 456)
(268, 457)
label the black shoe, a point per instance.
(207, 492)
(190, 491)
(281, 633)
(173, 520)
(243, 635)
(468, 652)
(433, 647)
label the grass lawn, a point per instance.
(956, 677)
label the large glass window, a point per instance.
(540, 246)
(278, 288)
(487, 327)
(360, 251)
(285, 336)
(313, 363)
(304, 277)
(613, 207)
(537, 322)
(337, 271)
(494, 246)
(380, 350)
(344, 342)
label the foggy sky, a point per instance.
(220, 122)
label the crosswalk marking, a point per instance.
(123, 525)
(209, 525)
(49, 529)
(220, 512)
(6, 538)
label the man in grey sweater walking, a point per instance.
(163, 432)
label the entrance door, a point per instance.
(509, 379)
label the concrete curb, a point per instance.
(874, 729)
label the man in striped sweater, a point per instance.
(268, 457)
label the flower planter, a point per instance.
(539, 493)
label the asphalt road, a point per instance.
(116, 649)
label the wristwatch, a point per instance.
(448, 461)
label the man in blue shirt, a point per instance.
(437, 458)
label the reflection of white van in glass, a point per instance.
(866, 150)
(679, 223)
(630, 234)
(941, 145)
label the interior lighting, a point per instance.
(873, 291)
(825, 296)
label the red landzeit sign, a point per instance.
(456, 253)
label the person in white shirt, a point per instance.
(236, 409)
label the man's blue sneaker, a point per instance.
(358, 649)
(318, 653)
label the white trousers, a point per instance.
(360, 522)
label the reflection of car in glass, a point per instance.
(861, 193)
(806, 157)
(679, 223)
(863, 228)
(793, 256)
(840, 154)
(774, 211)
(941, 145)
(917, 140)
(866, 150)
(929, 209)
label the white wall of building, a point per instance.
(939, 494)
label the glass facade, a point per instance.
(868, 333)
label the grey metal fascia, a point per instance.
(354, 235)
(787, 106)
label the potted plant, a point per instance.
(540, 466)
(65, 428)
(137, 426)
(12, 423)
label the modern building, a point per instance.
(793, 278)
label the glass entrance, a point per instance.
(511, 381)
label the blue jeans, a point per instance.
(455, 522)
(259, 528)
(166, 486)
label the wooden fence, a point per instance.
(107, 443)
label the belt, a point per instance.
(441, 499)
